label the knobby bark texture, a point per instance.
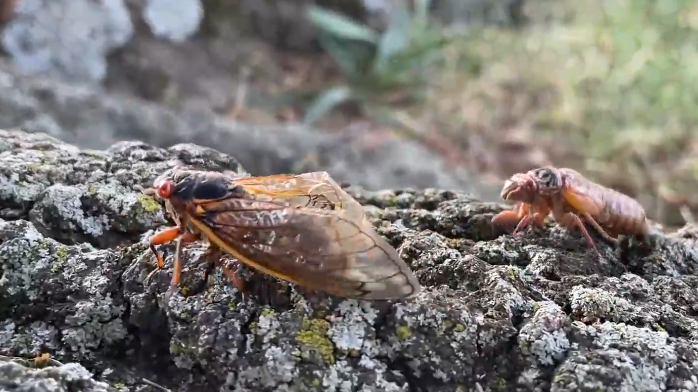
(535, 312)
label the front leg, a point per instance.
(512, 217)
(536, 214)
(506, 219)
(177, 264)
(167, 236)
(541, 214)
(164, 237)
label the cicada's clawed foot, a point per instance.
(164, 237)
(167, 236)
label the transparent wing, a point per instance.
(311, 190)
(327, 250)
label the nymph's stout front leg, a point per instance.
(537, 218)
(513, 217)
(523, 215)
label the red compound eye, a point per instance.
(165, 189)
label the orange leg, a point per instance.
(167, 236)
(511, 217)
(213, 253)
(600, 229)
(523, 223)
(164, 237)
(506, 218)
(523, 215)
(234, 276)
(177, 264)
(538, 219)
(540, 213)
(177, 267)
(569, 220)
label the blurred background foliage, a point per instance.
(606, 87)
(381, 68)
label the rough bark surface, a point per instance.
(535, 312)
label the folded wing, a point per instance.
(336, 251)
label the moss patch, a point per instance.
(148, 203)
(313, 336)
(403, 332)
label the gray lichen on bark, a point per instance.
(534, 312)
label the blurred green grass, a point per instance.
(624, 79)
(608, 88)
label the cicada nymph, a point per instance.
(304, 229)
(572, 200)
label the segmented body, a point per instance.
(619, 213)
(571, 199)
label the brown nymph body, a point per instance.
(572, 200)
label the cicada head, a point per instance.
(180, 185)
(525, 187)
(165, 185)
(520, 187)
(549, 180)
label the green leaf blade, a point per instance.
(340, 26)
(327, 101)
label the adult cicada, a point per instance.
(304, 229)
